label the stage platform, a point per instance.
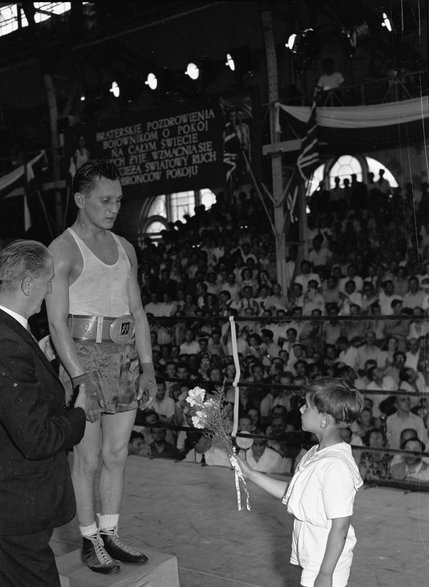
(190, 512)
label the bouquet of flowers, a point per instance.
(211, 416)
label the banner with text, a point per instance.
(157, 152)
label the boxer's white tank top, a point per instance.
(101, 289)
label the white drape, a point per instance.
(371, 116)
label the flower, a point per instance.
(196, 396)
(199, 420)
(211, 416)
(215, 421)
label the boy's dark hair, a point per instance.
(335, 397)
(83, 181)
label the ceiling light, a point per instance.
(152, 81)
(230, 62)
(115, 89)
(386, 22)
(192, 71)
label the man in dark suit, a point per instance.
(36, 492)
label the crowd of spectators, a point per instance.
(366, 270)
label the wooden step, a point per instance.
(159, 571)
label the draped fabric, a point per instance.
(10, 178)
(364, 127)
(375, 115)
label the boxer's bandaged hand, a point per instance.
(147, 386)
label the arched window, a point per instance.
(172, 207)
(344, 167)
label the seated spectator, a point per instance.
(277, 300)
(331, 291)
(262, 458)
(414, 296)
(214, 346)
(386, 296)
(348, 351)
(400, 281)
(231, 286)
(412, 468)
(204, 368)
(271, 348)
(379, 381)
(190, 346)
(255, 419)
(401, 419)
(137, 446)
(375, 465)
(291, 339)
(320, 255)
(412, 356)
(162, 404)
(364, 424)
(369, 296)
(306, 275)
(247, 301)
(160, 448)
(351, 276)
(389, 348)
(154, 306)
(419, 326)
(167, 306)
(411, 381)
(313, 299)
(369, 350)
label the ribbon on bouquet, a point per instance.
(240, 481)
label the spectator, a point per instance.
(162, 404)
(412, 468)
(375, 465)
(401, 419)
(160, 448)
(264, 459)
(306, 274)
(330, 79)
(189, 346)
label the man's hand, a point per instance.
(87, 398)
(147, 386)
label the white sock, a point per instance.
(91, 530)
(107, 521)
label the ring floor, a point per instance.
(190, 511)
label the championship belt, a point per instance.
(101, 328)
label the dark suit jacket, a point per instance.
(36, 491)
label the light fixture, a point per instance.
(152, 81)
(115, 89)
(230, 62)
(82, 98)
(192, 70)
(291, 42)
(296, 41)
(386, 22)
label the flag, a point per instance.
(308, 158)
(292, 204)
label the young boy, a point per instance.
(321, 493)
